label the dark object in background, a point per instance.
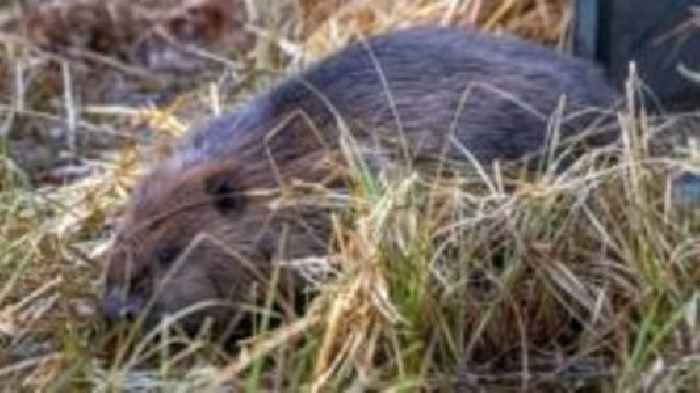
(686, 191)
(656, 34)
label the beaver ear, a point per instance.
(222, 187)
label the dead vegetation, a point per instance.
(585, 280)
(341, 21)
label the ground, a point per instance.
(582, 280)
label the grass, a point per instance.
(490, 279)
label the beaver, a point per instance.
(205, 227)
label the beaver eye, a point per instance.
(166, 256)
(226, 195)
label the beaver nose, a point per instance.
(117, 306)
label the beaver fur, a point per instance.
(203, 226)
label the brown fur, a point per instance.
(174, 220)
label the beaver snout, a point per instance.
(118, 306)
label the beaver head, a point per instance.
(202, 237)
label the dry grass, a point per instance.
(540, 20)
(582, 280)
